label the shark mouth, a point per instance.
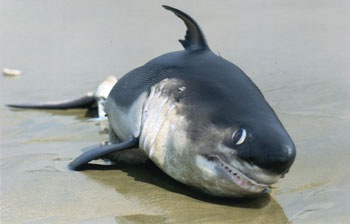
(245, 183)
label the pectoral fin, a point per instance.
(98, 152)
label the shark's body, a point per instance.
(200, 119)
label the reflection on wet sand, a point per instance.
(179, 203)
(79, 114)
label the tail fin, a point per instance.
(80, 103)
(194, 38)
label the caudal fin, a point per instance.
(80, 103)
(194, 38)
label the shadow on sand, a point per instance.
(151, 174)
(148, 184)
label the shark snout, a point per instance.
(274, 158)
(282, 160)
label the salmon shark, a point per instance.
(199, 118)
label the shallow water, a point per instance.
(297, 53)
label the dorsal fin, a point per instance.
(194, 38)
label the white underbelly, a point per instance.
(155, 119)
(160, 120)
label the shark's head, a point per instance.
(242, 159)
(219, 144)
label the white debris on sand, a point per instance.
(11, 72)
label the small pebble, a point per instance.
(11, 72)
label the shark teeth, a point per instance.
(239, 178)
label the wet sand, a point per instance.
(296, 52)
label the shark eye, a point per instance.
(239, 136)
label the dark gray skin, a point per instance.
(221, 94)
(221, 136)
